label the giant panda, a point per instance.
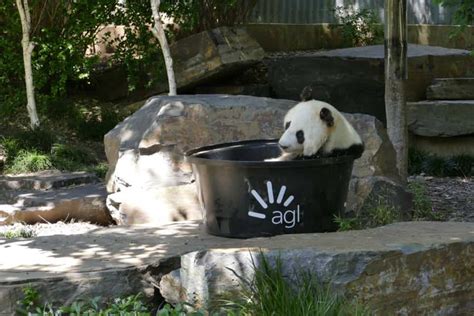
(317, 129)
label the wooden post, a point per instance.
(28, 46)
(395, 79)
(159, 33)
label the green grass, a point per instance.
(29, 161)
(422, 207)
(270, 293)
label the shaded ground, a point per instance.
(452, 196)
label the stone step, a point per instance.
(384, 267)
(81, 203)
(46, 180)
(451, 89)
(443, 118)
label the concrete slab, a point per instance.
(46, 180)
(122, 260)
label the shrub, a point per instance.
(359, 27)
(29, 161)
(429, 164)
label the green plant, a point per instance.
(346, 223)
(463, 14)
(381, 213)
(29, 161)
(359, 27)
(17, 231)
(429, 164)
(271, 293)
(131, 305)
(422, 207)
(99, 169)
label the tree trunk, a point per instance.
(395, 79)
(159, 33)
(28, 46)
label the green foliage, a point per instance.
(180, 310)
(359, 27)
(421, 162)
(381, 214)
(346, 223)
(271, 293)
(422, 207)
(29, 161)
(131, 305)
(99, 169)
(17, 231)
(463, 14)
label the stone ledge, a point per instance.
(428, 262)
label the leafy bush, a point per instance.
(359, 27)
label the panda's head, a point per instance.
(307, 127)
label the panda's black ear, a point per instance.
(306, 94)
(326, 116)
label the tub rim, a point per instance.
(191, 158)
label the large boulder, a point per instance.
(215, 53)
(145, 151)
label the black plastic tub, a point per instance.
(244, 196)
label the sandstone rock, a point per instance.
(441, 118)
(154, 206)
(451, 89)
(146, 150)
(213, 53)
(384, 268)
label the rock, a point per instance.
(256, 90)
(46, 180)
(145, 151)
(81, 203)
(451, 89)
(215, 53)
(384, 267)
(154, 206)
(441, 118)
(444, 146)
(165, 127)
(352, 79)
(369, 192)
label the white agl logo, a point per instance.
(282, 216)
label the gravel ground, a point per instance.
(453, 197)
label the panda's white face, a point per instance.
(307, 127)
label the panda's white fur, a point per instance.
(325, 130)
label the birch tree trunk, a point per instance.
(395, 79)
(159, 33)
(28, 46)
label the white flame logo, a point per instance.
(271, 200)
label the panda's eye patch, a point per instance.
(287, 124)
(300, 137)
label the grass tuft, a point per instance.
(422, 206)
(29, 161)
